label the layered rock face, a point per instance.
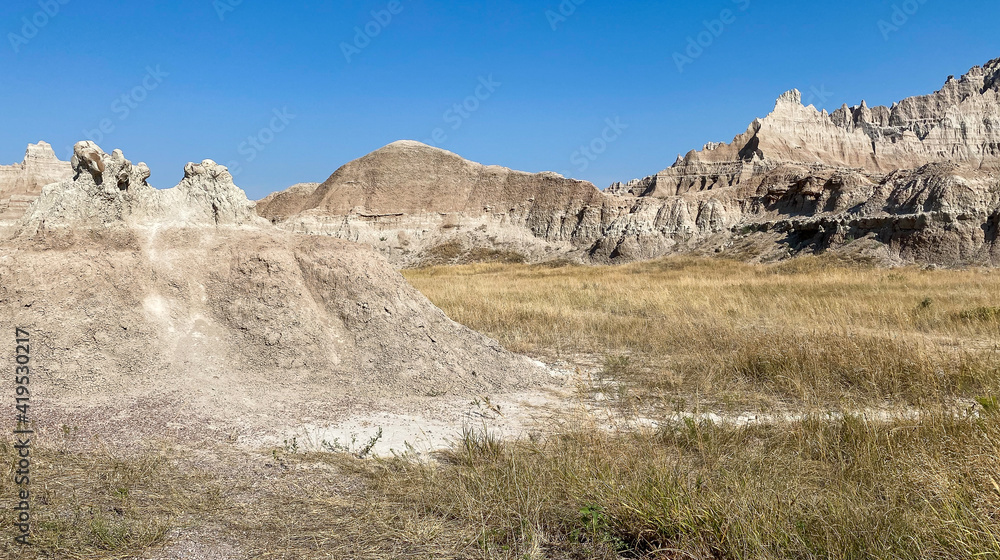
(915, 182)
(919, 178)
(182, 307)
(21, 183)
(408, 198)
(958, 124)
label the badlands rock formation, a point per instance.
(915, 182)
(418, 204)
(21, 183)
(920, 178)
(408, 198)
(181, 310)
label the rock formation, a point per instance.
(183, 307)
(919, 178)
(21, 183)
(915, 182)
(409, 198)
(958, 124)
(108, 190)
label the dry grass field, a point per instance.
(808, 331)
(878, 433)
(886, 443)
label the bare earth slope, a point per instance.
(181, 311)
(916, 182)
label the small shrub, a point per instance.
(484, 255)
(444, 253)
(557, 263)
(981, 314)
(991, 405)
(617, 366)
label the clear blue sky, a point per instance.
(222, 68)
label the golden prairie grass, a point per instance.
(818, 335)
(845, 488)
(817, 488)
(808, 330)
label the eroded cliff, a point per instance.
(915, 182)
(21, 183)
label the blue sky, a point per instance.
(286, 92)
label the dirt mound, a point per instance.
(183, 309)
